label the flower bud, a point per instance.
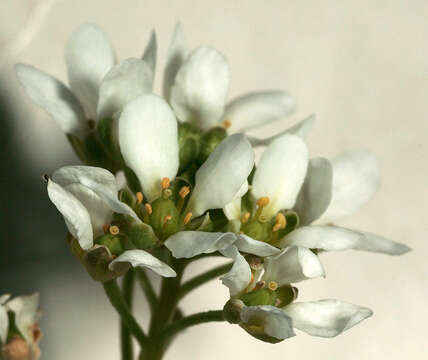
(142, 236)
(209, 142)
(96, 262)
(164, 218)
(188, 141)
(257, 297)
(232, 310)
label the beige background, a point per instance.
(361, 66)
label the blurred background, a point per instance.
(360, 66)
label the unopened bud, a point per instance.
(232, 310)
(188, 142)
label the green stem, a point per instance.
(125, 334)
(113, 293)
(191, 320)
(147, 287)
(198, 280)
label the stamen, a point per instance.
(260, 284)
(166, 219)
(263, 201)
(245, 217)
(105, 228)
(184, 191)
(280, 222)
(227, 124)
(140, 197)
(273, 285)
(165, 183)
(187, 218)
(148, 207)
(114, 230)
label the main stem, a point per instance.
(125, 334)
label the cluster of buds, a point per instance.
(175, 177)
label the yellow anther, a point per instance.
(105, 228)
(245, 217)
(227, 124)
(263, 201)
(149, 209)
(184, 191)
(187, 218)
(165, 183)
(166, 219)
(114, 230)
(273, 285)
(140, 197)
(280, 222)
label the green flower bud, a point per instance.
(257, 297)
(257, 230)
(111, 242)
(286, 295)
(188, 142)
(127, 197)
(232, 310)
(96, 262)
(142, 236)
(164, 218)
(209, 142)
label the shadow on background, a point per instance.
(32, 244)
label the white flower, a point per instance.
(325, 318)
(26, 317)
(155, 157)
(87, 197)
(196, 84)
(98, 87)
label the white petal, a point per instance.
(89, 56)
(293, 265)
(326, 318)
(4, 298)
(315, 194)
(273, 320)
(142, 258)
(255, 247)
(280, 173)
(200, 88)
(220, 178)
(26, 313)
(301, 129)
(177, 53)
(150, 53)
(53, 96)
(376, 243)
(75, 214)
(4, 324)
(258, 108)
(233, 209)
(123, 83)
(148, 142)
(356, 178)
(239, 276)
(186, 244)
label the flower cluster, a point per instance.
(170, 179)
(19, 329)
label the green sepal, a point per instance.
(292, 223)
(107, 134)
(76, 250)
(232, 311)
(161, 208)
(96, 262)
(78, 147)
(286, 294)
(201, 223)
(142, 236)
(257, 230)
(96, 155)
(258, 332)
(258, 297)
(188, 142)
(127, 197)
(113, 242)
(209, 141)
(218, 218)
(131, 179)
